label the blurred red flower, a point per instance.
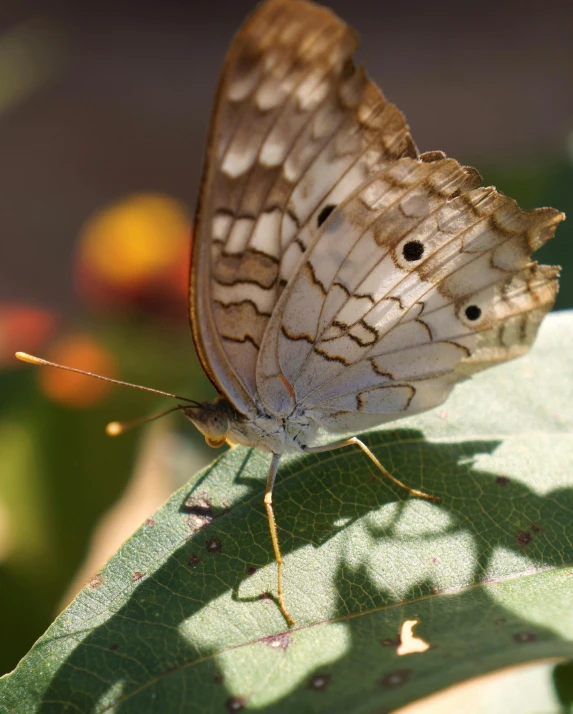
(25, 328)
(69, 388)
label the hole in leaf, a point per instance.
(409, 643)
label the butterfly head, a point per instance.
(212, 419)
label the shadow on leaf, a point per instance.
(179, 617)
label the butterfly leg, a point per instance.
(354, 441)
(274, 535)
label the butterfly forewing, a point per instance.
(296, 128)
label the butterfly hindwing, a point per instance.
(415, 281)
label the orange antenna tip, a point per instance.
(114, 428)
(25, 357)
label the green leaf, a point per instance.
(178, 620)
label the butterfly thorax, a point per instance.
(219, 422)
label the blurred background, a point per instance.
(104, 108)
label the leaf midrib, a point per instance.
(334, 620)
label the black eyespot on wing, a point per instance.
(473, 312)
(413, 250)
(323, 215)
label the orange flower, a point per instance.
(72, 389)
(135, 253)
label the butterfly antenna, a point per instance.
(25, 357)
(115, 428)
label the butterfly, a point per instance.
(340, 279)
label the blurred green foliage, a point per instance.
(59, 471)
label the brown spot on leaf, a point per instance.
(535, 528)
(218, 679)
(95, 582)
(196, 523)
(391, 643)
(434, 560)
(396, 678)
(278, 642)
(266, 597)
(251, 570)
(114, 647)
(502, 480)
(214, 545)
(524, 637)
(150, 522)
(137, 575)
(200, 513)
(197, 504)
(319, 682)
(193, 560)
(235, 704)
(524, 538)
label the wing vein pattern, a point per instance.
(336, 270)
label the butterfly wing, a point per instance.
(295, 128)
(413, 282)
